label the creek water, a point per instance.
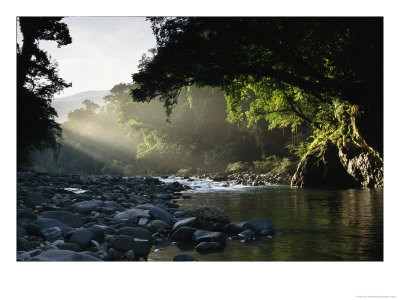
(310, 224)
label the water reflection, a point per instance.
(311, 224)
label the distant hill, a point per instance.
(66, 104)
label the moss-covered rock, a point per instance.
(208, 213)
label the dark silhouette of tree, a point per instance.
(37, 82)
(328, 59)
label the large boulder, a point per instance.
(234, 228)
(160, 214)
(63, 255)
(52, 234)
(43, 223)
(65, 217)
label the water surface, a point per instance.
(310, 224)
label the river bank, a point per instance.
(64, 217)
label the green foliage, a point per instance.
(238, 166)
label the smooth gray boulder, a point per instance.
(81, 237)
(65, 217)
(161, 214)
(63, 255)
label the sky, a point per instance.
(104, 51)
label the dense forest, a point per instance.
(291, 95)
(128, 138)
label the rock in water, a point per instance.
(260, 226)
(208, 246)
(160, 214)
(200, 236)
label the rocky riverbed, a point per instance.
(64, 217)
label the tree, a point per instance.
(37, 82)
(327, 72)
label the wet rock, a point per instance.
(97, 232)
(234, 228)
(200, 236)
(188, 222)
(85, 207)
(260, 226)
(208, 246)
(163, 196)
(143, 221)
(63, 255)
(183, 234)
(34, 199)
(32, 229)
(21, 231)
(26, 214)
(183, 257)
(25, 245)
(65, 217)
(247, 234)
(113, 206)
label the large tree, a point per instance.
(327, 72)
(37, 82)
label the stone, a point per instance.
(183, 234)
(21, 231)
(65, 217)
(26, 214)
(200, 236)
(86, 207)
(143, 221)
(81, 237)
(97, 232)
(136, 232)
(126, 243)
(48, 223)
(260, 226)
(234, 228)
(160, 214)
(132, 215)
(208, 246)
(183, 257)
(157, 225)
(188, 222)
(36, 199)
(63, 255)
(32, 229)
(25, 245)
(145, 206)
(247, 234)
(52, 234)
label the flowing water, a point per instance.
(310, 224)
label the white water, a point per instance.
(198, 185)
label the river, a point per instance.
(310, 224)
